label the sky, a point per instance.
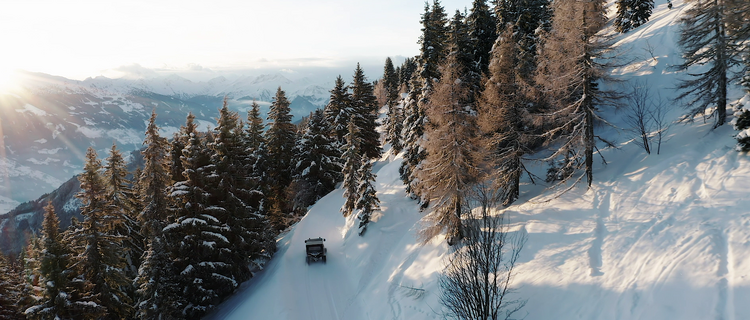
(83, 38)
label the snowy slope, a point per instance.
(656, 237)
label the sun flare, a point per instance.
(8, 80)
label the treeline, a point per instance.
(203, 213)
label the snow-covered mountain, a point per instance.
(657, 236)
(48, 122)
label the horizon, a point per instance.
(89, 38)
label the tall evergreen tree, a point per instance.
(572, 65)
(503, 117)
(10, 291)
(178, 143)
(98, 260)
(121, 203)
(705, 42)
(482, 27)
(632, 14)
(202, 256)
(318, 163)
(368, 201)
(405, 72)
(254, 131)
(451, 165)
(338, 110)
(233, 191)
(154, 180)
(365, 109)
(433, 42)
(280, 136)
(394, 120)
(352, 162)
(54, 260)
(531, 18)
(413, 132)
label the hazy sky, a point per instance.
(82, 38)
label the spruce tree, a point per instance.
(433, 42)
(318, 162)
(503, 117)
(482, 34)
(154, 180)
(365, 110)
(413, 132)
(705, 42)
(121, 203)
(280, 137)
(531, 19)
(54, 260)
(632, 14)
(368, 201)
(254, 131)
(201, 253)
(573, 63)
(352, 162)
(338, 110)
(10, 292)
(98, 251)
(394, 120)
(178, 143)
(452, 163)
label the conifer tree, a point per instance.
(178, 143)
(461, 47)
(280, 137)
(706, 42)
(254, 131)
(54, 259)
(121, 203)
(413, 132)
(405, 72)
(318, 162)
(338, 110)
(10, 291)
(154, 180)
(352, 162)
(246, 229)
(531, 18)
(368, 201)
(160, 294)
(364, 107)
(632, 14)
(482, 34)
(503, 116)
(98, 252)
(433, 42)
(394, 120)
(451, 165)
(572, 64)
(201, 253)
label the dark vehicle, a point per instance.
(315, 250)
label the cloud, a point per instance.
(131, 71)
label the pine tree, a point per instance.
(413, 132)
(433, 42)
(364, 107)
(461, 47)
(154, 180)
(201, 253)
(254, 131)
(632, 14)
(121, 203)
(233, 191)
(394, 120)
(531, 18)
(10, 291)
(159, 291)
(280, 137)
(405, 72)
(178, 143)
(503, 117)
(318, 164)
(98, 252)
(705, 42)
(482, 34)
(368, 201)
(451, 165)
(54, 260)
(338, 110)
(352, 162)
(572, 65)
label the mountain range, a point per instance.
(48, 122)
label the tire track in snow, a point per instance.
(721, 249)
(595, 252)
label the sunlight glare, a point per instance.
(8, 80)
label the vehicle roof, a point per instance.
(313, 241)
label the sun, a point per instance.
(8, 79)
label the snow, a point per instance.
(27, 108)
(656, 236)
